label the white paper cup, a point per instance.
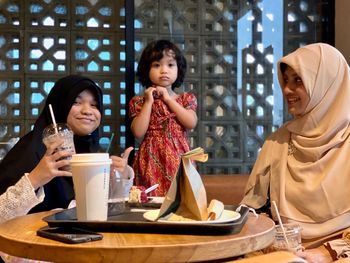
(90, 173)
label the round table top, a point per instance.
(18, 238)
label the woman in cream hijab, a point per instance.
(305, 165)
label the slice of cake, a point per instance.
(137, 195)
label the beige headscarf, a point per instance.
(306, 163)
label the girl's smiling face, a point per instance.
(84, 116)
(294, 92)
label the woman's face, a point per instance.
(294, 92)
(84, 116)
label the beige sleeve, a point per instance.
(340, 248)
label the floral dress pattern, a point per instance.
(159, 155)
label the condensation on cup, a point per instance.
(293, 235)
(61, 131)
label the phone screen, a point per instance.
(69, 235)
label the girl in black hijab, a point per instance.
(28, 152)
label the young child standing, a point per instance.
(161, 117)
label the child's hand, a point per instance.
(149, 94)
(162, 93)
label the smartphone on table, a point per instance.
(70, 235)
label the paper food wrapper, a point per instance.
(186, 196)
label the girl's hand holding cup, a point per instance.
(60, 131)
(49, 166)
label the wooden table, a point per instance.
(18, 237)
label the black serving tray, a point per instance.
(132, 221)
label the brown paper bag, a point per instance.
(186, 197)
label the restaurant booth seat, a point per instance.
(227, 188)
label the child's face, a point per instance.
(84, 116)
(294, 92)
(164, 72)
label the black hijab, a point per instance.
(27, 153)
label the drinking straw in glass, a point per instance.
(110, 143)
(280, 222)
(53, 118)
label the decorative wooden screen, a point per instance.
(231, 48)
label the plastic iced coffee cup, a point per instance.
(293, 235)
(91, 173)
(119, 188)
(61, 131)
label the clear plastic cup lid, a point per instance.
(60, 127)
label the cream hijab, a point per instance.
(312, 185)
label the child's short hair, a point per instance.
(154, 52)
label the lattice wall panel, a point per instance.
(218, 56)
(11, 14)
(258, 91)
(43, 14)
(179, 17)
(96, 15)
(219, 17)
(301, 25)
(11, 51)
(10, 130)
(96, 53)
(11, 92)
(114, 112)
(47, 52)
(42, 41)
(37, 88)
(228, 136)
(306, 23)
(212, 44)
(205, 31)
(223, 143)
(219, 100)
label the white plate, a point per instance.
(156, 199)
(226, 216)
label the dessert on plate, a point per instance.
(138, 195)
